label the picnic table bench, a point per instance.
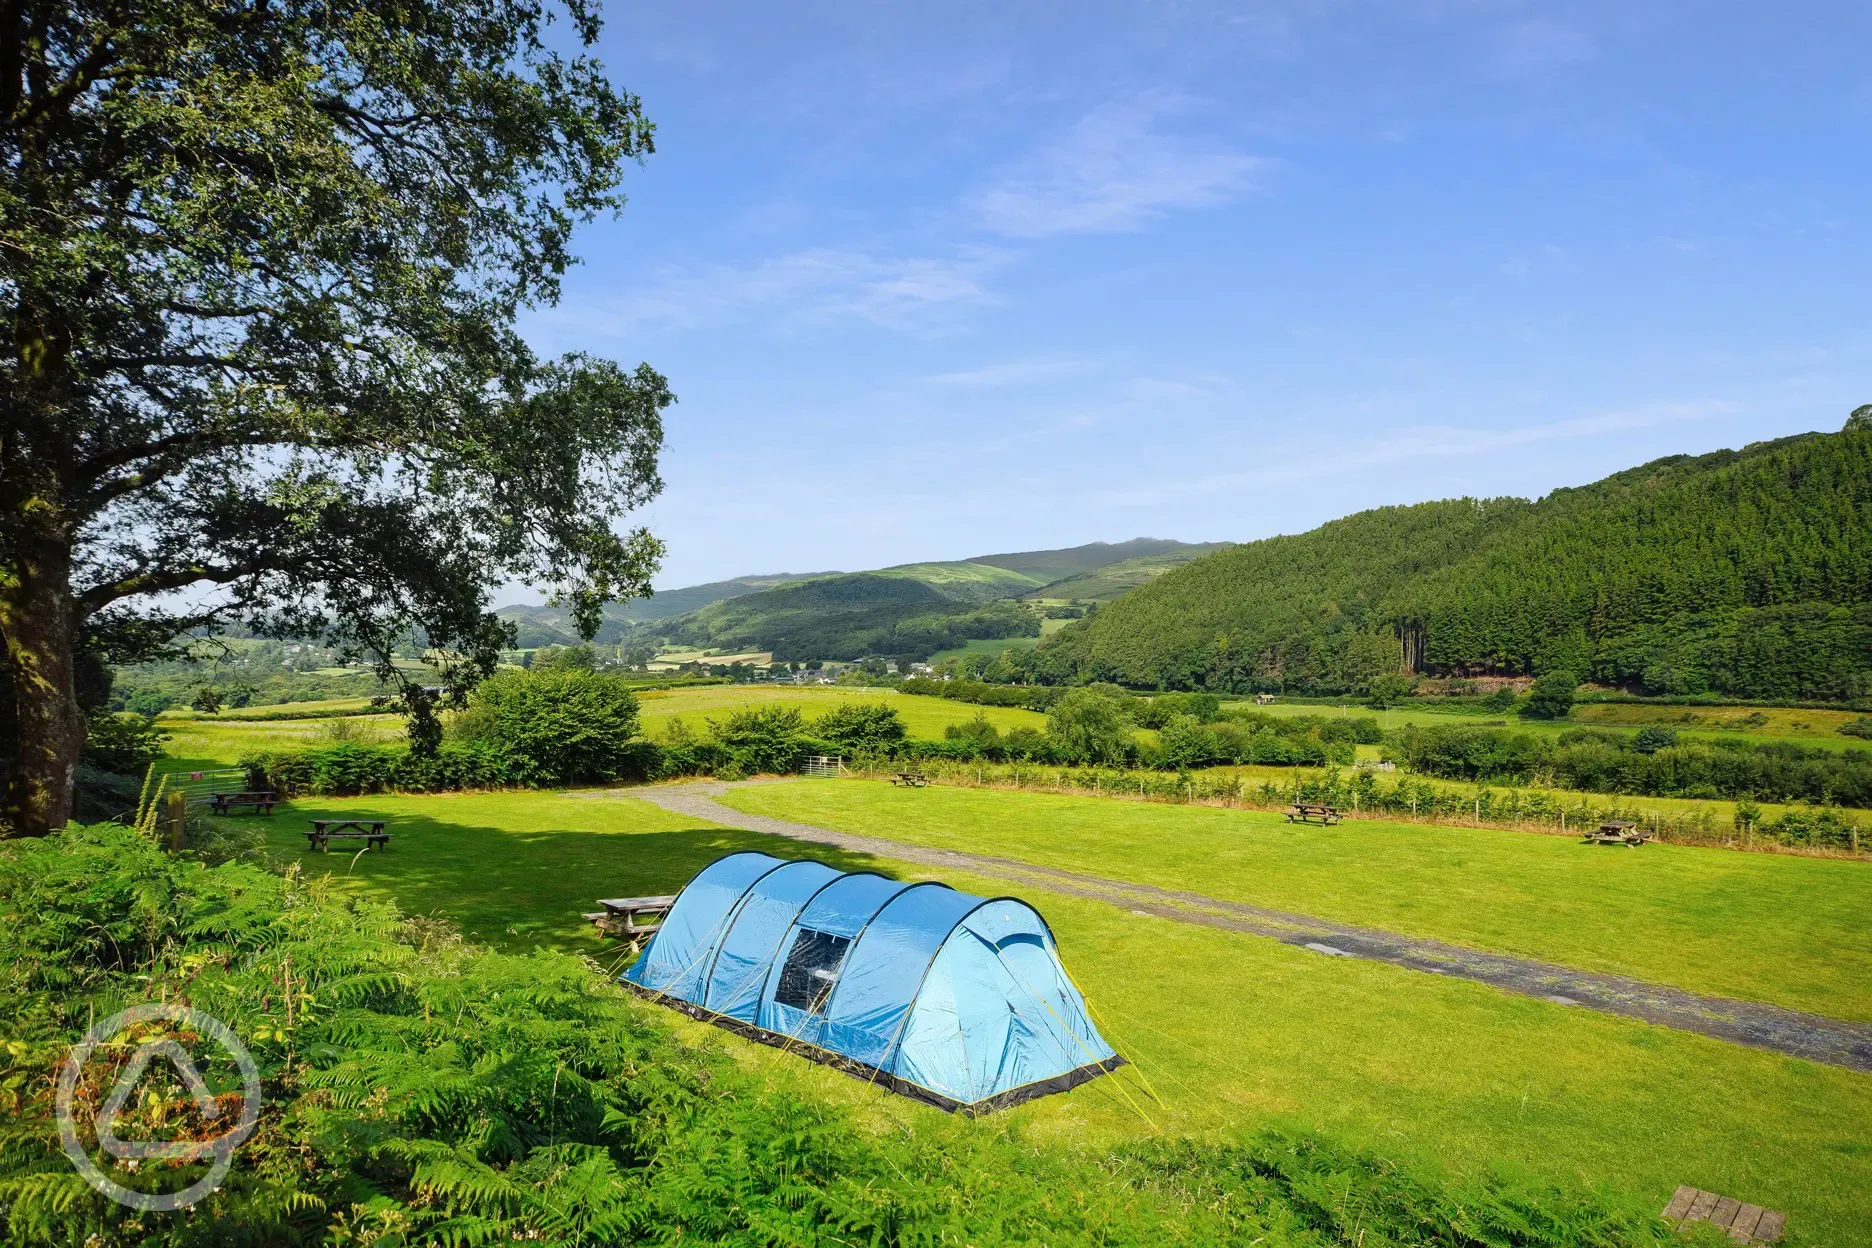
(624, 916)
(910, 779)
(324, 831)
(1307, 812)
(263, 802)
(1617, 832)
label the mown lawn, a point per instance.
(1227, 1032)
(1769, 927)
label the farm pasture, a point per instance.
(922, 716)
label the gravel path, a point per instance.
(1760, 1026)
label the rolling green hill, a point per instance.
(910, 610)
(961, 581)
(1106, 583)
(1743, 572)
(552, 626)
(1045, 567)
(848, 617)
(964, 582)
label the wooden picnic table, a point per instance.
(324, 831)
(623, 916)
(1617, 832)
(263, 802)
(910, 779)
(1307, 812)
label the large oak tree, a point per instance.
(261, 262)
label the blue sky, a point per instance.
(947, 279)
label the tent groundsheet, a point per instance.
(956, 1000)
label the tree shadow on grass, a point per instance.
(521, 890)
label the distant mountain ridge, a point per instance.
(896, 606)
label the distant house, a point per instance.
(1264, 699)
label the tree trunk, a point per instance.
(36, 616)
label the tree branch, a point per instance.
(154, 582)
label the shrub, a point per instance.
(1204, 708)
(1654, 738)
(764, 739)
(1388, 690)
(860, 728)
(1552, 696)
(124, 744)
(975, 734)
(1861, 727)
(562, 724)
(1090, 726)
(148, 702)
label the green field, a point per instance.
(992, 646)
(923, 717)
(1710, 920)
(1719, 723)
(219, 742)
(1229, 1032)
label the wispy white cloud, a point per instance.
(1116, 170)
(1034, 369)
(817, 285)
(1424, 442)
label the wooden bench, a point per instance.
(1307, 812)
(1617, 832)
(625, 916)
(325, 831)
(910, 779)
(261, 802)
(1746, 1223)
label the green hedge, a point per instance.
(349, 769)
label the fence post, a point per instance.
(178, 820)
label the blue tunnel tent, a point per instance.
(956, 1000)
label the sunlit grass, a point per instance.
(923, 717)
(1711, 723)
(1227, 1032)
(1769, 927)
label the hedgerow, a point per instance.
(1651, 762)
(421, 1090)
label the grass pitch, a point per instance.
(1769, 927)
(1230, 1032)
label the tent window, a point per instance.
(810, 970)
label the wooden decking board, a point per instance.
(1747, 1218)
(1746, 1223)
